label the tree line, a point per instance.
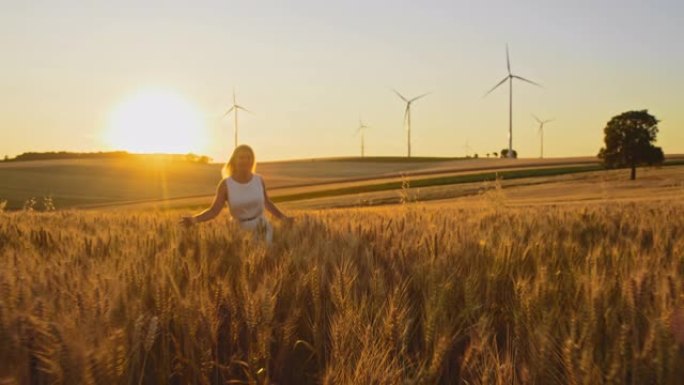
(54, 155)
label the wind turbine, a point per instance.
(510, 78)
(361, 129)
(407, 116)
(235, 107)
(541, 131)
(467, 148)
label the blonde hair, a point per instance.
(229, 168)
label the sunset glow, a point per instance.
(83, 78)
(156, 121)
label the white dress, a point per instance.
(246, 204)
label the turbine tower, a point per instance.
(407, 116)
(361, 129)
(467, 149)
(509, 78)
(235, 107)
(541, 131)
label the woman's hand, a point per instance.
(187, 221)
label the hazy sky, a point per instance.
(309, 69)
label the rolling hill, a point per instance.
(99, 183)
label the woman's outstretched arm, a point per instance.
(215, 209)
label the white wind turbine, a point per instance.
(541, 131)
(510, 78)
(407, 116)
(467, 148)
(235, 107)
(361, 130)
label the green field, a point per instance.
(438, 181)
(139, 182)
(74, 183)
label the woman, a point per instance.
(245, 193)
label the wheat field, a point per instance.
(407, 294)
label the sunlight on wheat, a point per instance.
(410, 294)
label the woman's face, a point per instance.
(243, 162)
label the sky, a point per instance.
(309, 70)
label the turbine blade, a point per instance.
(496, 86)
(420, 96)
(508, 60)
(536, 118)
(228, 112)
(400, 95)
(526, 80)
(243, 109)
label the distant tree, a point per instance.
(476, 156)
(495, 154)
(488, 154)
(6, 158)
(629, 141)
(504, 153)
(204, 159)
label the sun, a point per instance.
(157, 121)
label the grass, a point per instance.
(437, 181)
(446, 180)
(100, 181)
(409, 294)
(74, 183)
